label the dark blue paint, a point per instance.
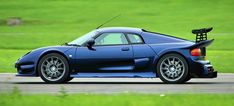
(131, 60)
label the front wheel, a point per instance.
(172, 68)
(53, 68)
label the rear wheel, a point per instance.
(172, 68)
(68, 79)
(188, 78)
(54, 68)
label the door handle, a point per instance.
(125, 49)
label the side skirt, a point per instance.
(115, 75)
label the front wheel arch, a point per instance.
(49, 52)
(56, 61)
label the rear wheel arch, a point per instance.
(171, 52)
(172, 79)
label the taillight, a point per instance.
(196, 52)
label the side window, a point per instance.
(135, 38)
(111, 39)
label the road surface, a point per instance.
(223, 84)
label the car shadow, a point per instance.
(88, 82)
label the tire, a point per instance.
(188, 78)
(172, 68)
(54, 68)
(68, 79)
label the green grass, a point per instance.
(57, 21)
(222, 60)
(8, 59)
(117, 100)
(54, 22)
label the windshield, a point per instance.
(81, 40)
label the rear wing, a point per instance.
(201, 44)
(201, 39)
(201, 34)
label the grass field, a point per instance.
(54, 22)
(117, 100)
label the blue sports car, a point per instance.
(121, 52)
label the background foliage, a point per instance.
(54, 22)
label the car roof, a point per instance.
(120, 29)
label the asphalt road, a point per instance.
(223, 84)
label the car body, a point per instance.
(119, 52)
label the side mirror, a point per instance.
(90, 43)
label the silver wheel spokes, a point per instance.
(172, 68)
(53, 68)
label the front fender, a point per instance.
(27, 64)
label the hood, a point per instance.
(59, 48)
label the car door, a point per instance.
(143, 54)
(110, 53)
